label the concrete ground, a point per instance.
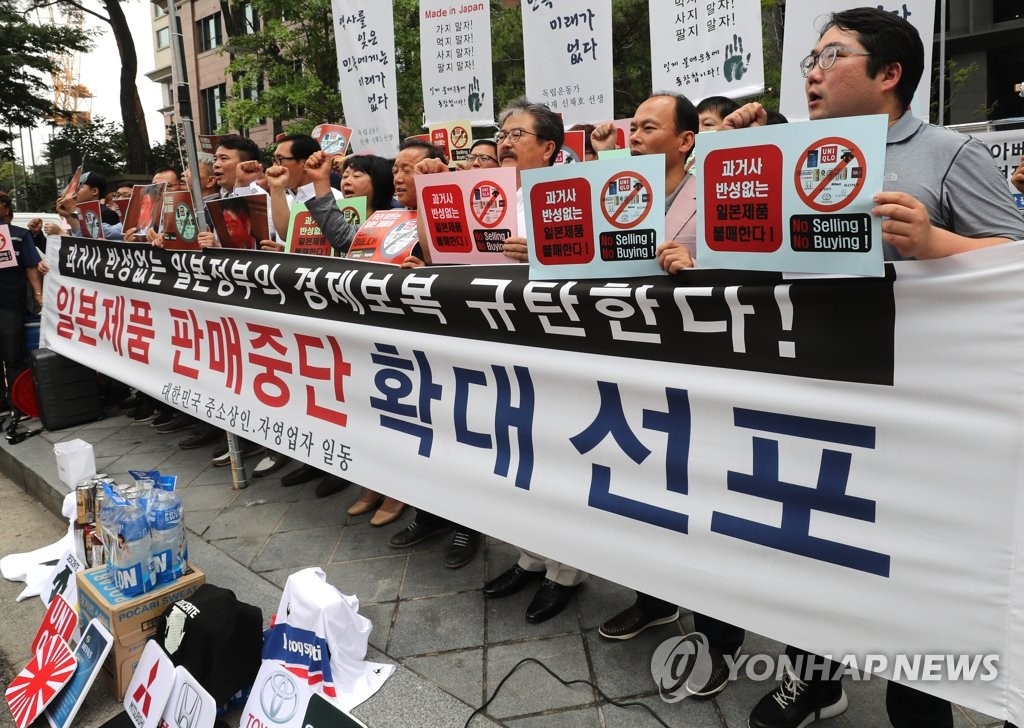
(451, 646)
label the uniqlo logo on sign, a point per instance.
(829, 154)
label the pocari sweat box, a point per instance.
(131, 620)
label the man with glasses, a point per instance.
(530, 137)
(943, 195)
(289, 184)
(483, 154)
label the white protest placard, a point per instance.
(91, 652)
(189, 705)
(7, 257)
(62, 580)
(795, 198)
(150, 687)
(1007, 150)
(804, 21)
(602, 219)
(703, 49)
(455, 61)
(365, 43)
(568, 49)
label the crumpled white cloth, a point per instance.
(35, 567)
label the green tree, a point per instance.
(283, 65)
(27, 57)
(101, 145)
(132, 115)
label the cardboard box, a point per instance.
(130, 620)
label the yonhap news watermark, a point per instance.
(683, 666)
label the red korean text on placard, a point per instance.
(743, 199)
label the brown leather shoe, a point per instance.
(388, 512)
(369, 500)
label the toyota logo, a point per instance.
(279, 697)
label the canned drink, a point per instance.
(85, 495)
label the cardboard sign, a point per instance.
(8, 258)
(795, 198)
(240, 222)
(92, 650)
(144, 210)
(573, 148)
(209, 142)
(332, 138)
(150, 687)
(189, 705)
(603, 219)
(304, 234)
(388, 236)
(278, 698)
(50, 669)
(454, 138)
(468, 214)
(90, 218)
(62, 580)
(178, 221)
(60, 620)
(71, 188)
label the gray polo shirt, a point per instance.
(954, 177)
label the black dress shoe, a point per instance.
(418, 531)
(204, 434)
(178, 422)
(330, 485)
(304, 474)
(509, 582)
(462, 549)
(551, 598)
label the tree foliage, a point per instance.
(27, 53)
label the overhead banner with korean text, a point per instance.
(568, 57)
(455, 62)
(706, 49)
(364, 38)
(835, 463)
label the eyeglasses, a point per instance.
(485, 158)
(513, 136)
(827, 58)
(282, 160)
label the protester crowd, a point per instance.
(866, 61)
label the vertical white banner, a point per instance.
(455, 61)
(713, 48)
(568, 49)
(365, 41)
(804, 21)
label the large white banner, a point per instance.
(804, 21)
(568, 49)
(835, 463)
(455, 61)
(707, 48)
(365, 43)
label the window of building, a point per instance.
(252, 20)
(163, 38)
(209, 32)
(159, 10)
(1004, 10)
(213, 99)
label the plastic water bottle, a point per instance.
(167, 533)
(132, 564)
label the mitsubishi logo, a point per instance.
(279, 697)
(141, 696)
(189, 707)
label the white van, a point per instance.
(22, 219)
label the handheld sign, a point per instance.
(277, 698)
(62, 580)
(573, 148)
(144, 210)
(92, 650)
(50, 669)
(240, 222)
(178, 221)
(150, 687)
(795, 198)
(189, 705)
(304, 234)
(60, 620)
(468, 214)
(7, 257)
(603, 219)
(91, 220)
(388, 236)
(332, 138)
(454, 138)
